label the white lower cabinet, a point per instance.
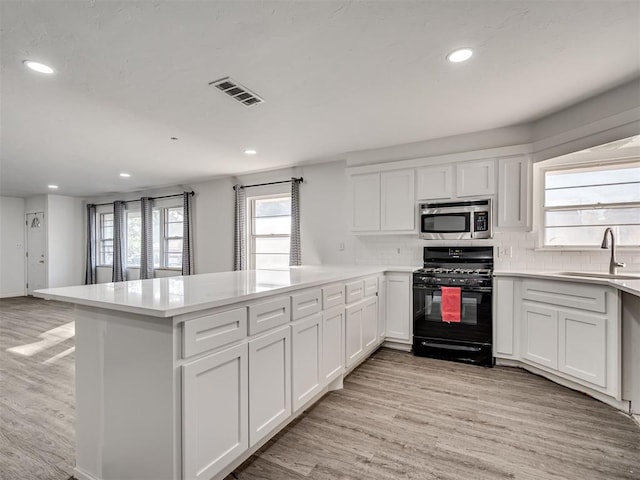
(332, 343)
(573, 331)
(270, 382)
(582, 352)
(399, 307)
(353, 334)
(361, 329)
(370, 323)
(306, 359)
(215, 412)
(540, 334)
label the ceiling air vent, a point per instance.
(237, 91)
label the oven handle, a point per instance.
(448, 346)
(465, 288)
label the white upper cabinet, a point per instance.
(514, 193)
(435, 182)
(476, 178)
(365, 202)
(397, 200)
(383, 201)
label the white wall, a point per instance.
(213, 226)
(12, 259)
(65, 241)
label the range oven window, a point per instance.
(446, 223)
(475, 314)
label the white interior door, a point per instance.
(36, 259)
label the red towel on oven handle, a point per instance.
(451, 301)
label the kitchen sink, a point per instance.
(617, 276)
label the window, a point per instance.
(581, 201)
(105, 239)
(269, 232)
(134, 238)
(172, 237)
(167, 237)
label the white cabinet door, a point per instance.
(269, 382)
(370, 323)
(435, 182)
(398, 200)
(306, 359)
(475, 178)
(332, 343)
(399, 307)
(353, 334)
(215, 411)
(365, 202)
(382, 309)
(540, 334)
(503, 317)
(514, 203)
(583, 346)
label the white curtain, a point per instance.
(146, 247)
(119, 273)
(295, 255)
(240, 234)
(187, 235)
(90, 275)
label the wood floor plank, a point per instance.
(398, 417)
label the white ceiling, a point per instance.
(335, 76)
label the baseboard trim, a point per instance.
(80, 475)
(11, 295)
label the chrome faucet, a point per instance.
(613, 264)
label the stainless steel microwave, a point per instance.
(456, 220)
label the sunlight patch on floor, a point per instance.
(50, 338)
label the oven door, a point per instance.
(449, 225)
(475, 314)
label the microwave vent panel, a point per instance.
(236, 91)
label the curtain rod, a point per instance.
(293, 179)
(150, 198)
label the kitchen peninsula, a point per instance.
(185, 377)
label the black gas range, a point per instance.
(452, 304)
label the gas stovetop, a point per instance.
(432, 271)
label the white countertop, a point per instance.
(625, 285)
(166, 297)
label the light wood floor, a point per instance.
(398, 417)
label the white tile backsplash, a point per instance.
(407, 250)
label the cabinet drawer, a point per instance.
(354, 291)
(584, 297)
(306, 303)
(332, 296)
(266, 315)
(370, 286)
(213, 331)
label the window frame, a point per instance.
(164, 232)
(541, 209)
(100, 239)
(251, 236)
(162, 207)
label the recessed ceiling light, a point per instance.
(38, 67)
(250, 151)
(125, 175)
(53, 187)
(460, 55)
